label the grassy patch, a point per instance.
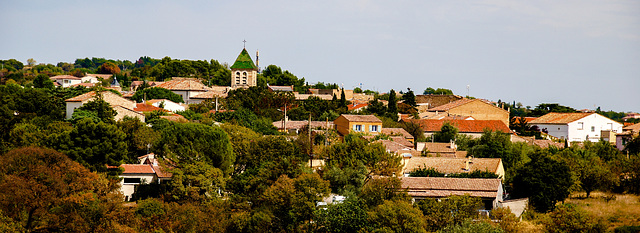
(615, 210)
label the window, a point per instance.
(580, 125)
(244, 78)
(357, 128)
(593, 129)
(374, 128)
(238, 80)
(132, 180)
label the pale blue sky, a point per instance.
(577, 53)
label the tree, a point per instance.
(348, 180)
(376, 191)
(472, 226)
(156, 93)
(396, 216)
(348, 216)
(594, 174)
(195, 181)
(108, 68)
(544, 180)
(97, 109)
(44, 191)
(447, 133)
(191, 142)
(31, 62)
(439, 91)
(569, 218)
(92, 144)
(43, 81)
(409, 98)
(392, 107)
(450, 211)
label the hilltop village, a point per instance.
(165, 145)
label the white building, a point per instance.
(122, 106)
(168, 105)
(578, 127)
(66, 80)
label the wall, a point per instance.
(598, 122)
(481, 111)
(128, 189)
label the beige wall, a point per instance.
(481, 111)
(345, 127)
(237, 79)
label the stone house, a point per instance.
(490, 191)
(476, 108)
(244, 73)
(455, 165)
(122, 106)
(367, 124)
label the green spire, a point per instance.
(244, 61)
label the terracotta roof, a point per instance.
(175, 117)
(137, 169)
(210, 95)
(356, 106)
(442, 186)
(438, 147)
(143, 107)
(402, 140)
(395, 147)
(361, 118)
(464, 126)
(65, 77)
(82, 97)
(153, 101)
(633, 128)
(161, 173)
(184, 84)
(559, 118)
(452, 165)
(84, 84)
(458, 103)
(281, 88)
(396, 131)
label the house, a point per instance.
(476, 108)
(455, 165)
(296, 126)
(404, 151)
(398, 132)
(425, 102)
(95, 78)
(217, 92)
(66, 80)
(299, 96)
(440, 149)
(490, 191)
(122, 106)
(136, 84)
(473, 128)
(357, 107)
(368, 124)
(628, 133)
(137, 174)
(348, 94)
(280, 88)
(577, 127)
(244, 73)
(187, 88)
(147, 107)
(168, 105)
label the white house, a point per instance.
(168, 105)
(66, 80)
(187, 88)
(137, 174)
(577, 127)
(122, 106)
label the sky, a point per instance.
(582, 53)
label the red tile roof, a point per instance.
(184, 84)
(559, 118)
(82, 97)
(458, 103)
(137, 169)
(453, 165)
(361, 118)
(442, 186)
(356, 106)
(143, 107)
(464, 126)
(65, 77)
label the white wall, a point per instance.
(170, 105)
(591, 128)
(128, 189)
(71, 106)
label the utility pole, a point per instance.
(310, 144)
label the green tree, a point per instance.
(396, 216)
(348, 216)
(92, 144)
(569, 218)
(97, 109)
(156, 93)
(43, 81)
(392, 108)
(472, 226)
(439, 91)
(409, 98)
(348, 180)
(195, 181)
(544, 180)
(376, 191)
(190, 142)
(450, 211)
(447, 133)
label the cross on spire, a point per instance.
(244, 43)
